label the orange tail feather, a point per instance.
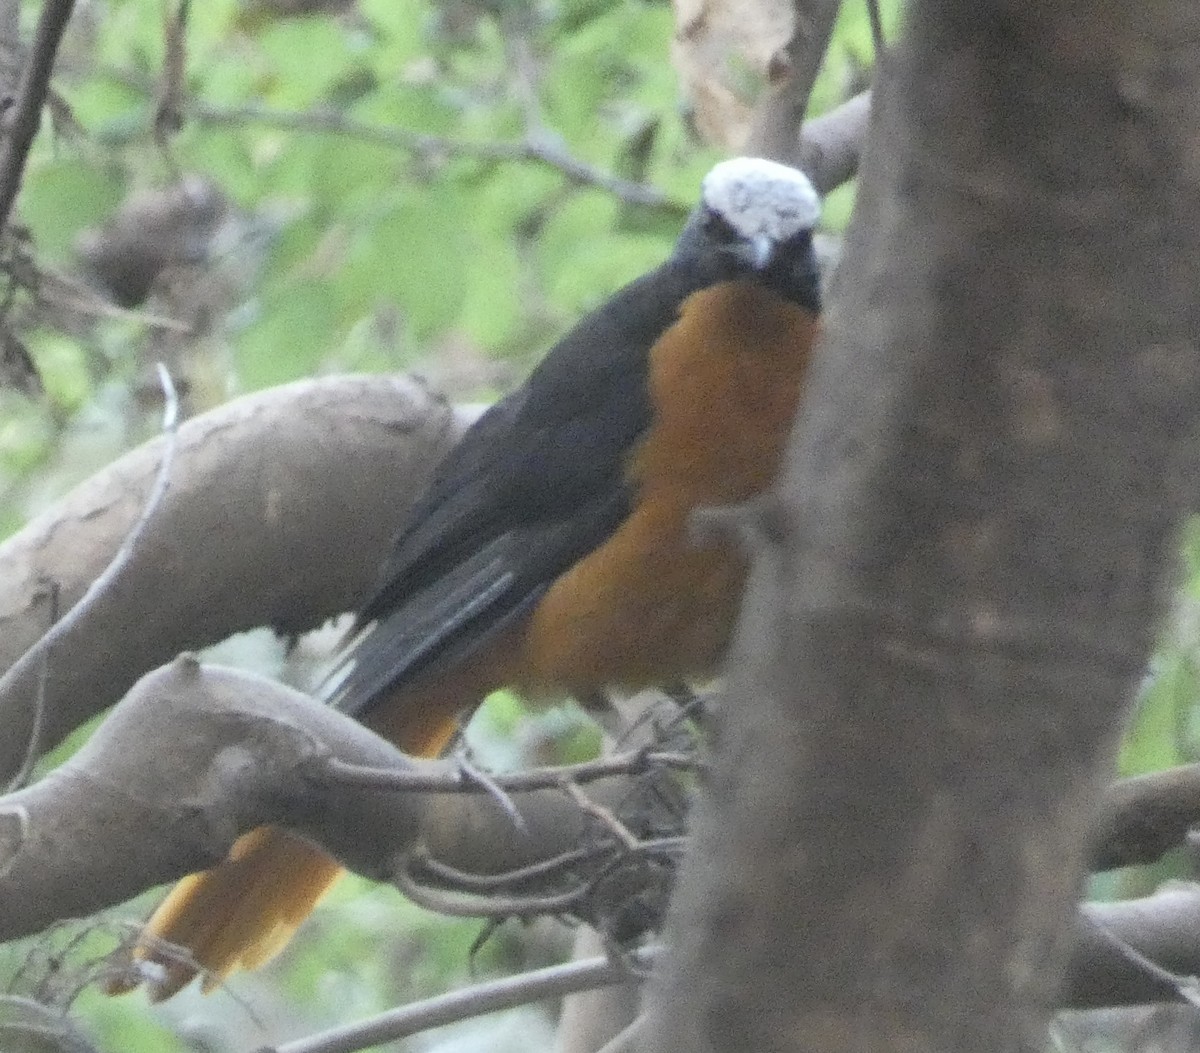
(243, 911)
(239, 914)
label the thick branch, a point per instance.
(830, 146)
(1163, 928)
(280, 509)
(1143, 817)
(952, 608)
(190, 759)
(781, 112)
(196, 755)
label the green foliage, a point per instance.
(68, 195)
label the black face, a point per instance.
(793, 273)
(709, 241)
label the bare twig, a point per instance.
(168, 110)
(540, 149)
(603, 815)
(61, 291)
(552, 982)
(458, 904)
(31, 95)
(634, 762)
(471, 774)
(39, 653)
(518, 875)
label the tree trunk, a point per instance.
(957, 590)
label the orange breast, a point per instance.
(653, 604)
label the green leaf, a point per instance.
(399, 26)
(223, 154)
(415, 255)
(348, 174)
(63, 365)
(296, 329)
(60, 198)
(306, 56)
(1155, 741)
(99, 101)
(584, 259)
(512, 192)
(1191, 556)
(492, 308)
(26, 434)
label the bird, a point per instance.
(554, 552)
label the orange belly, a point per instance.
(655, 603)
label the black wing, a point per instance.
(535, 484)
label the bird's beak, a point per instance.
(759, 250)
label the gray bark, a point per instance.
(957, 588)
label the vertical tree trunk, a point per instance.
(957, 591)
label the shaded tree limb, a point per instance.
(191, 758)
(781, 111)
(241, 515)
(35, 661)
(1163, 927)
(554, 981)
(196, 755)
(1143, 817)
(830, 146)
(1091, 979)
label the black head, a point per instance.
(755, 222)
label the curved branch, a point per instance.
(314, 475)
(781, 111)
(1145, 816)
(830, 146)
(190, 759)
(196, 755)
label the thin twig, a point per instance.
(473, 905)
(539, 149)
(488, 784)
(31, 96)
(40, 651)
(556, 981)
(62, 292)
(605, 816)
(544, 868)
(634, 762)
